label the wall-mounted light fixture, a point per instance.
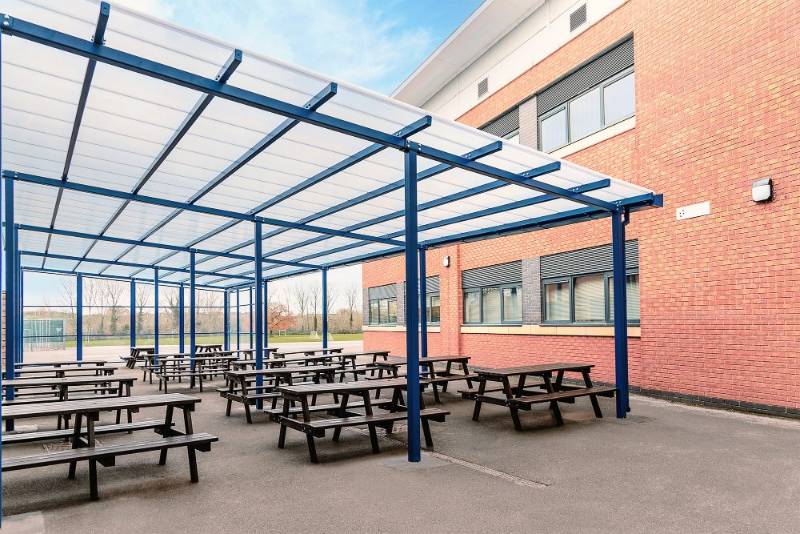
(446, 261)
(762, 190)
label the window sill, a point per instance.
(396, 328)
(549, 330)
(597, 137)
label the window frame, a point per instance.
(379, 322)
(566, 107)
(429, 307)
(479, 291)
(570, 279)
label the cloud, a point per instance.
(358, 41)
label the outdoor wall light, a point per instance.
(446, 261)
(762, 190)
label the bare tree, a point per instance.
(301, 298)
(314, 296)
(142, 300)
(112, 292)
(68, 296)
(351, 300)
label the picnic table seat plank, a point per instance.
(50, 435)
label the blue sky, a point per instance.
(373, 43)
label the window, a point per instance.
(600, 107)
(493, 305)
(587, 299)
(383, 311)
(512, 137)
(433, 309)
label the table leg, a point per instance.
(553, 404)
(373, 434)
(93, 493)
(188, 429)
(341, 413)
(476, 412)
(521, 385)
(247, 415)
(514, 410)
(167, 431)
(447, 370)
(595, 404)
(282, 435)
(465, 367)
(76, 440)
(432, 378)
(312, 448)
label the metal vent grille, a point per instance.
(577, 17)
(432, 284)
(587, 260)
(504, 125)
(383, 292)
(610, 63)
(505, 273)
(483, 87)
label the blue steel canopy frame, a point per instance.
(95, 51)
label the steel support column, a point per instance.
(266, 318)
(181, 319)
(192, 309)
(412, 318)
(324, 308)
(226, 320)
(238, 323)
(250, 314)
(132, 308)
(20, 300)
(155, 311)
(79, 317)
(259, 318)
(11, 291)
(618, 222)
(423, 308)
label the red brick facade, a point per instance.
(717, 107)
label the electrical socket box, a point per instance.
(694, 210)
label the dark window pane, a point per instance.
(619, 99)
(556, 301)
(392, 318)
(590, 299)
(554, 131)
(374, 314)
(472, 307)
(512, 308)
(383, 306)
(491, 305)
(434, 309)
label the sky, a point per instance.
(372, 43)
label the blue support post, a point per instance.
(20, 300)
(266, 319)
(181, 312)
(133, 313)
(238, 323)
(79, 317)
(250, 314)
(155, 312)
(423, 305)
(226, 320)
(259, 305)
(324, 308)
(11, 290)
(192, 309)
(412, 318)
(618, 222)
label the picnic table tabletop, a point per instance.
(341, 387)
(99, 404)
(65, 381)
(401, 360)
(536, 369)
(279, 370)
(309, 351)
(67, 370)
(61, 363)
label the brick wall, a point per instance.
(717, 88)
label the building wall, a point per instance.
(717, 87)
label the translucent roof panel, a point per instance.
(198, 158)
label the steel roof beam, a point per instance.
(114, 277)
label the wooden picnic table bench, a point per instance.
(308, 352)
(241, 389)
(345, 416)
(62, 389)
(195, 369)
(136, 355)
(522, 396)
(430, 374)
(208, 347)
(60, 363)
(84, 446)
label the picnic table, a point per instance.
(82, 436)
(342, 414)
(522, 396)
(137, 355)
(308, 352)
(430, 374)
(60, 363)
(195, 369)
(208, 347)
(59, 389)
(242, 385)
